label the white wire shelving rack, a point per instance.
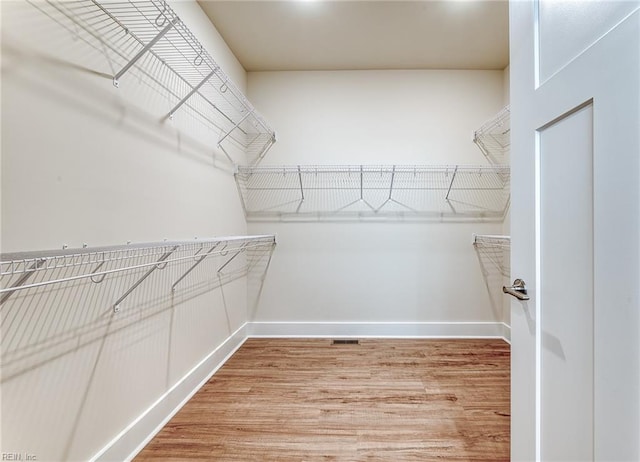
(54, 302)
(494, 137)
(26, 276)
(495, 251)
(147, 40)
(370, 191)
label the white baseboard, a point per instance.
(136, 435)
(380, 329)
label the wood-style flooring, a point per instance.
(381, 400)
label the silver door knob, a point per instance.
(518, 290)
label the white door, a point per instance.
(575, 228)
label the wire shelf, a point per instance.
(147, 39)
(31, 271)
(494, 137)
(366, 191)
(494, 250)
(52, 303)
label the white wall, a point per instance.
(374, 117)
(84, 162)
(386, 272)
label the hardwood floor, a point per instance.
(381, 400)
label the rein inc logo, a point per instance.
(18, 456)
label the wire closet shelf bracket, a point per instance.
(370, 191)
(133, 264)
(149, 37)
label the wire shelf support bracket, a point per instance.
(22, 280)
(225, 264)
(116, 305)
(145, 49)
(193, 91)
(199, 259)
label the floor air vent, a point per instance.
(345, 342)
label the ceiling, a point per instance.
(348, 35)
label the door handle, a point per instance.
(518, 290)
